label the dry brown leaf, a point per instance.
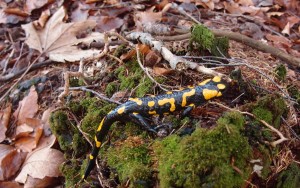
(36, 4)
(41, 22)
(4, 121)
(144, 49)
(9, 184)
(278, 39)
(41, 163)
(58, 39)
(245, 2)
(10, 161)
(16, 11)
(45, 182)
(27, 144)
(286, 29)
(161, 71)
(23, 130)
(107, 23)
(207, 4)
(46, 121)
(142, 18)
(27, 107)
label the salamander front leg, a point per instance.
(187, 110)
(140, 120)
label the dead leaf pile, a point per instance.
(42, 162)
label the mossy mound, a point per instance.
(135, 79)
(289, 178)
(205, 40)
(204, 159)
(131, 161)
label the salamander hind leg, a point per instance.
(141, 121)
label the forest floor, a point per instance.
(64, 65)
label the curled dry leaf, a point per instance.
(58, 39)
(40, 164)
(27, 107)
(4, 121)
(10, 161)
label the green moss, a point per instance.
(204, 39)
(263, 114)
(269, 108)
(295, 93)
(136, 77)
(121, 49)
(281, 72)
(94, 115)
(289, 178)
(131, 161)
(220, 47)
(111, 88)
(204, 158)
(70, 172)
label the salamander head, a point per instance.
(214, 87)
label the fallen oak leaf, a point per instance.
(58, 39)
(41, 163)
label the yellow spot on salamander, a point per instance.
(100, 125)
(221, 86)
(91, 157)
(192, 105)
(167, 100)
(208, 93)
(151, 103)
(152, 112)
(204, 82)
(187, 94)
(121, 110)
(219, 94)
(169, 92)
(137, 100)
(98, 144)
(216, 79)
(191, 87)
(135, 113)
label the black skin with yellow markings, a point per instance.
(139, 108)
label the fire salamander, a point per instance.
(139, 108)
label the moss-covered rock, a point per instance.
(204, 159)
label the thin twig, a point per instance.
(12, 87)
(101, 96)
